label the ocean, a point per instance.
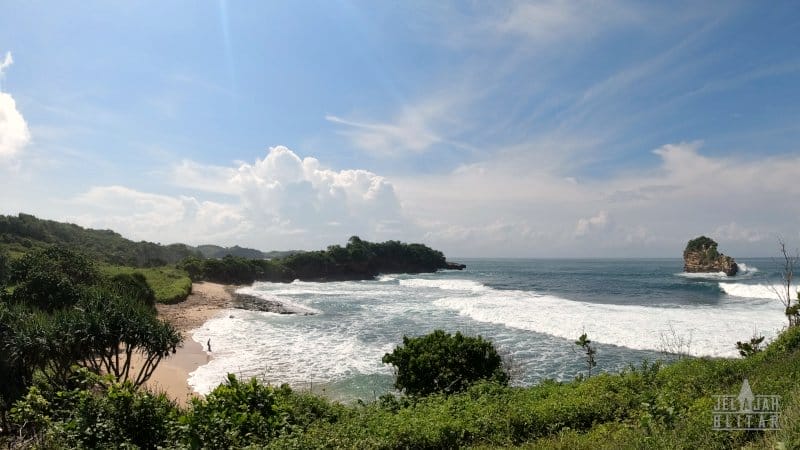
(533, 311)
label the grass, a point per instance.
(170, 285)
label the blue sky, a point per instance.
(537, 129)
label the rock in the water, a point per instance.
(701, 255)
(455, 266)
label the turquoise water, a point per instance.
(532, 310)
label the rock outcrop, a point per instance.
(701, 255)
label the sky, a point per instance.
(481, 128)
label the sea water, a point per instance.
(533, 311)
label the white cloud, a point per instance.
(736, 232)
(14, 132)
(279, 201)
(160, 218)
(282, 201)
(654, 210)
(598, 222)
(203, 177)
(300, 193)
(416, 128)
(6, 63)
(547, 20)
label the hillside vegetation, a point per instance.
(20, 234)
(358, 260)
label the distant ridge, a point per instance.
(22, 233)
(216, 251)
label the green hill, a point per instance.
(25, 232)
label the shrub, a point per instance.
(95, 413)
(233, 415)
(134, 286)
(441, 362)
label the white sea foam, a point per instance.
(745, 290)
(445, 284)
(361, 321)
(712, 330)
(276, 351)
(745, 271)
(704, 275)
(289, 305)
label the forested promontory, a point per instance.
(358, 260)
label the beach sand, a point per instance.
(205, 302)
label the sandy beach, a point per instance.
(171, 375)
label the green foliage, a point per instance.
(134, 286)
(359, 260)
(646, 406)
(25, 232)
(233, 415)
(5, 267)
(443, 363)
(51, 278)
(109, 330)
(95, 413)
(62, 313)
(701, 243)
(215, 251)
(750, 348)
(169, 284)
(234, 270)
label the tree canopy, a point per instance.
(443, 363)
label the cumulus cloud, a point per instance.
(161, 218)
(14, 132)
(299, 193)
(278, 201)
(281, 200)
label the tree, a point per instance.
(790, 302)
(112, 330)
(134, 286)
(443, 363)
(63, 313)
(52, 278)
(586, 344)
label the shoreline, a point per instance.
(204, 303)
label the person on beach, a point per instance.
(209, 345)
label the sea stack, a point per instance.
(701, 255)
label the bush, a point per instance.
(233, 415)
(134, 286)
(94, 413)
(441, 362)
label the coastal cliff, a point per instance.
(701, 255)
